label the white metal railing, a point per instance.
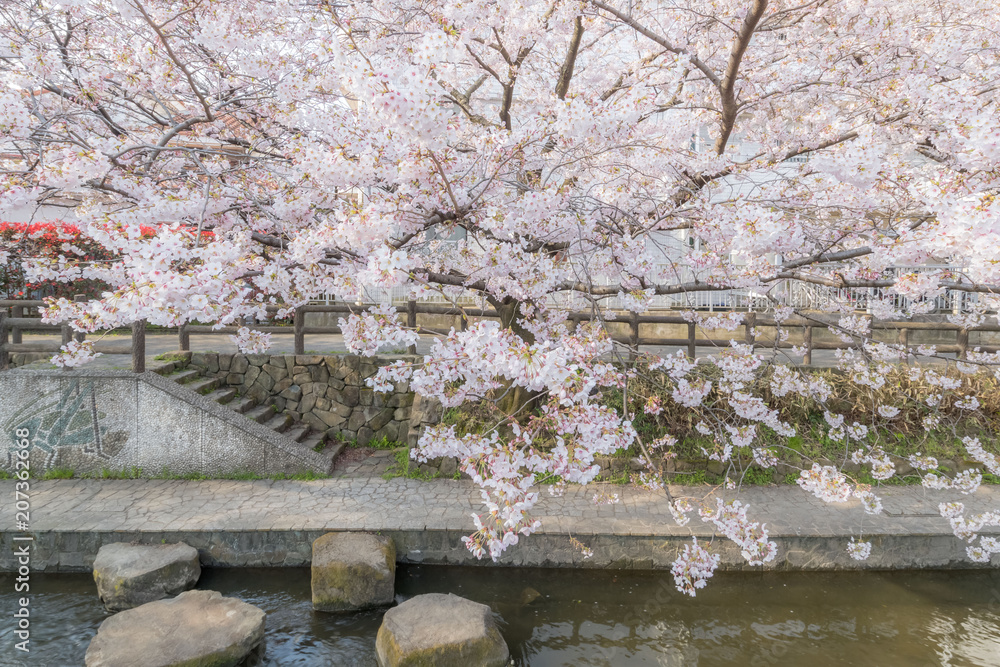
(788, 292)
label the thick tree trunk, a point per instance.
(515, 401)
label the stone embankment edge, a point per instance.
(74, 551)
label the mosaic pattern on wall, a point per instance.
(65, 428)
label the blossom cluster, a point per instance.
(75, 353)
(826, 483)
(859, 550)
(693, 568)
(750, 536)
(378, 327)
(251, 342)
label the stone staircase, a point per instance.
(213, 389)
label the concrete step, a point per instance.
(261, 413)
(314, 440)
(331, 453)
(222, 396)
(204, 386)
(299, 432)
(161, 368)
(244, 404)
(279, 423)
(184, 377)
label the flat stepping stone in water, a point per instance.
(353, 571)
(194, 628)
(129, 575)
(440, 630)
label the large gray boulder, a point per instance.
(352, 571)
(194, 629)
(129, 575)
(441, 631)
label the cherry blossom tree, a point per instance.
(539, 156)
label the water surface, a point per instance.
(591, 618)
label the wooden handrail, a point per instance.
(10, 328)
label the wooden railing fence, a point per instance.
(12, 326)
(633, 340)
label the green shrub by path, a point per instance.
(406, 467)
(899, 437)
(171, 356)
(855, 402)
(58, 473)
(758, 476)
(375, 443)
(383, 443)
(621, 477)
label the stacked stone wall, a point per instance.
(328, 392)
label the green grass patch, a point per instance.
(383, 443)
(135, 472)
(620, 477)
(307, 476)
(375, 443)
(758, 476)
(171, 356)
(58, 473)
(404, 466)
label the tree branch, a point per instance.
(662, 41)
(170, 52)
(728, 87)
(566, 72)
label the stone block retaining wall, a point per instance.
(18, 359)
(74, 551)
(328, 392)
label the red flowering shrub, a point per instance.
(20, 240)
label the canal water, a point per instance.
(595, 618)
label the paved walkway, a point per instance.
(273, 522)
(357, 503)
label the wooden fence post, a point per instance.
(963, 342)
(691, 337)
(139, 346)
(80, 336)
(184, 337)
(411, 322)
(15, 332)
(4, 354)
(807, 342)
(67, 334)
(750, 322)
(633, 336)
(300, 334)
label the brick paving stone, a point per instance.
(373, 503)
